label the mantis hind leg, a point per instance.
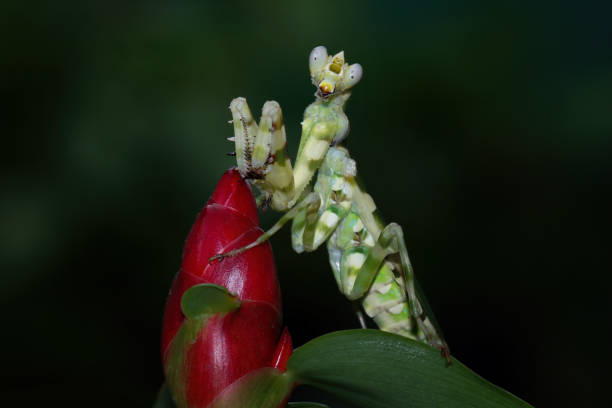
(359, 314)
(391, 241)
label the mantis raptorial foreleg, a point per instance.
(261, 150)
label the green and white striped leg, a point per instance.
(261, 151)
(310, 200)
(359, 314)
(391, 241)
(245, 134)
(270, 152)
(311, 227)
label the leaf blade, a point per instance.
(371, 368)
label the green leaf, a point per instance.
(263, 388)
(306, 405)
(206, 299)
(372, 368)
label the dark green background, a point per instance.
(483, 129)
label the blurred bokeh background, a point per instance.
(483, 129)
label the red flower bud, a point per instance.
(204, 355)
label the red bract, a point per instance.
(201, 358)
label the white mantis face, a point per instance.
(331, 74)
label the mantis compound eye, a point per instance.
(317, 59)
(352, 76)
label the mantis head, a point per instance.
(331, 74)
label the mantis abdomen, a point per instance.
(385, 300)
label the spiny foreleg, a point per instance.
(261, 151)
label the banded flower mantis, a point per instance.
(369, 259)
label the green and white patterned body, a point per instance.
(369, 259)
(346, 218)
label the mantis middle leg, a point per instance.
(311, 200)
